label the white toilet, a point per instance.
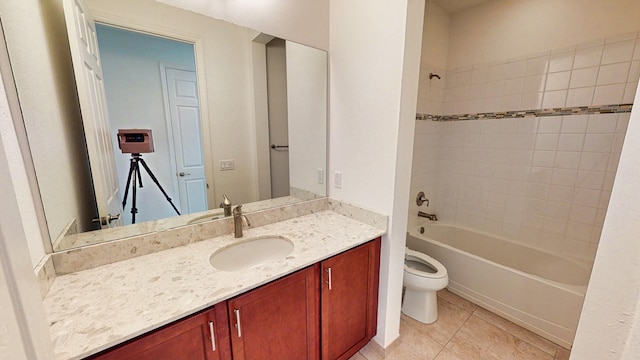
(423, 277)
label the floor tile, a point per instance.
(450, 319)
(358, 356)
(517, 331)
(456, 300)
(373, 351)
(562, 354)
(479, 340)
(447, 355)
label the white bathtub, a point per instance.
(536, 290)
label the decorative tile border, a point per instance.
(577, 110)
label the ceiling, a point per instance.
(453, 6)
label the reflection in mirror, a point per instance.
(211, 92)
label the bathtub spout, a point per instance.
(431, 217)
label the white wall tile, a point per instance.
(634, 71)
(479, 75)
(580, 97)
(535, 83)
(564, 177)
(554, 226)
(555, 99)
(586, 197)
(549, 125)
(598, 142)
(558, 210)
(582, 214)
(614, 73)
(541, 174)
(570, 142)
(590, 179)
(630, 92)
(608, 94)
(567, 160)
(602, 123)
(513, 86)
(574, 124)
(588, 57)
(561, 62)
(578, 231)
(510, 103)
(537, 66)
(618, 52)
(558, 81)
(531, 101)
(546, 141)
(515, 69)
(594, 161)
(496, 72)
(559, 193)
(494, 88)
(584, 77)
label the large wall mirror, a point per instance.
(232, 112)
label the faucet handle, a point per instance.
(237, 211)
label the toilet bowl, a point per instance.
(423, 277)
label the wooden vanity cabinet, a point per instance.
(349, 300)
(204, 336)
(278, 320)
(327, 311)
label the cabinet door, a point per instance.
(204, 336)
(349, 300)
(278, 320)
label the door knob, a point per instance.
(106, 219)
(183, 173)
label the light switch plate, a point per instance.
(228, 164)
(337, 180)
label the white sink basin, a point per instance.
(251, 252)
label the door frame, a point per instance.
(109, 19)
(168, 123)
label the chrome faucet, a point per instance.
(238, 221)
(431, 217)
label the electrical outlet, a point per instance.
(337, 180)
(320, 174)
(227, 165)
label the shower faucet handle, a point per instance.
(421, 199)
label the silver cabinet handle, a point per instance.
(237, 312)
(183, 173)
(212, 334)
(329, 282)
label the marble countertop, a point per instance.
(91, 310)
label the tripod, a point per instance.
(134, 173)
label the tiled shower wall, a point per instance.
(543, 181)
(600, 72)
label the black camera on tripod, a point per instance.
(136, 142)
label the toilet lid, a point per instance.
(423, 265)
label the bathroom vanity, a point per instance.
(325, 311)
(318, 302)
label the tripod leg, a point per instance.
(126, 189)
(134, 209)
(155, 180)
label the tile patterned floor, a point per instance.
(464, 331)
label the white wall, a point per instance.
(302, 21)
(307, 111)
(610, 320)
(498, 30)
(435, 51)
(24, 333)
(369, 128)
(50, 110)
